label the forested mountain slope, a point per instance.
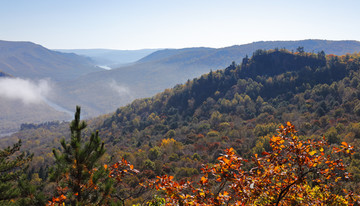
(178, 130)
(237, 106)
(166, 68)
(272, 84)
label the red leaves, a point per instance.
(265, 153)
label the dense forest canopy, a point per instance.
(177, 131)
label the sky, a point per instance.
(139, 24)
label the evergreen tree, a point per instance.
(12, 167)
(80, 181)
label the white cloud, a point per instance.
(121, 90)
(29, 92)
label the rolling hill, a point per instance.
(28, 71)
(29, 60)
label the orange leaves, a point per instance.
(298, 146)
(57, 200)
(60, 199)
(120, 169)
(347, 149)
(289, 124)
(230, 151)
(203, 180)
(172, 188)
(225, 160)
(275, 139)
(279, 177)
(277, 169)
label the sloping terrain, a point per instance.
(29, 73)
(104, 91)
(29, 60)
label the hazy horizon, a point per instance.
(200, 46)
(125, 25)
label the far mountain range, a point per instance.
(110, 57)
(75, 78)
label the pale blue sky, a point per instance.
(136, 24)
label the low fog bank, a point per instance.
(29, 92)
(119, 89)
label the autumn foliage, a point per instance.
(117, 172)
(79, 179)
(296, 172)
(120, 169)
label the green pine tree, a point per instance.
(80, 180)
(12, 168)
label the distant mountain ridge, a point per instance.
(29, 60)
(171, 53)
(111, 57)
(222, 57)
(340, 47)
